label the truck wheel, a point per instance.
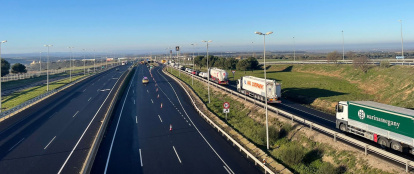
(343, 127)
(396, 146)
(383, 142)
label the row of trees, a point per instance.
(17, 68)
(250, 63)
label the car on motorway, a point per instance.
(145, 80)
(203, 75)
(195, 72)
(182, 68)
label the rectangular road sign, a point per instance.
(226, 111)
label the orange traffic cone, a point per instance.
(156, 90)
(158, 96)
(161, 105)
(170, 127)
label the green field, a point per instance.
(20, 97)
(321, 86)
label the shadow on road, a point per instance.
(308, 95)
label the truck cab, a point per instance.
(342, 115)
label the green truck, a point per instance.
(390, 126)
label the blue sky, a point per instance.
(152, 26)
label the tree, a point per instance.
(253, 63)
(18, 68)
(211, 60)
(361, 63)
(243, 65)
(230, 63)
(5, 67)
(199, 61)
(350, 55)
(333, 57)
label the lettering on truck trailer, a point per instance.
(254, 84)
(361, 115)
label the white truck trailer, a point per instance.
(255, 87)
(219, 76)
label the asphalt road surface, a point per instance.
(139, 140)
(53, 136)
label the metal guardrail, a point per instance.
(336, 135)
(248, 154)
(6, 114)
(407, 62)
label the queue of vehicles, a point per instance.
(389, 126)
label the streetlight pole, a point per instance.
(70, 64)
(264, 63)
(402, 43)
(84, 62)
(94, 62)
(40, 62)
(208, 72)
(294, 49)
(343, 48)
(47, 66)
(192, 80)
(0, 71)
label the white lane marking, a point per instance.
(50, 142)
(160, 118)
(136, 119)
(89, 98)
(134, 101)
(152, 101)
(77, 143)
(177, 154)
(52, 115)
(133, 92)
(16, 144)
(140, 158)
(76, 113)
(84, 90)
(93, 83)
(179, 101)
(147, 91)
(228, 170)
(117, 124)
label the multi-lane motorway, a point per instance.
(55, 135)
(139, 139)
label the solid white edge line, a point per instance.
(177, 154)
(152, 101)
(75, 113)
(140, 158)
(50, 142)
(195, 125)
(160, 118)
(117, 124)
(227, 169)
(136, 119)
(16, 144)
(77, 143)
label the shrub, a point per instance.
(292, 153)
(327, 168)
(385, 64)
